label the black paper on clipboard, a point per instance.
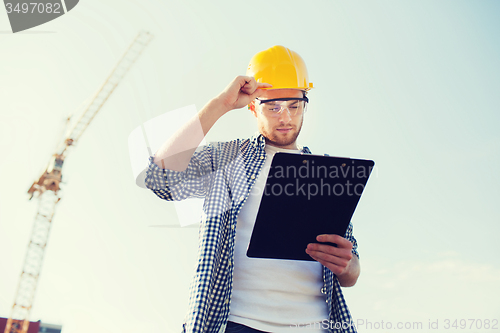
(292, 213)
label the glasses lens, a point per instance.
(275, 108)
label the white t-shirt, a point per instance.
(269, 294)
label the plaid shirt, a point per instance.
(223, 173)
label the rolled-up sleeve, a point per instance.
(179, 185)
(350, 237)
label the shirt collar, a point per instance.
(259, 141)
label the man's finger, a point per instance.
(247, 81)
(336, 239)
(335, 268)
(256, 94)
(249, 85)
(340, 261)
(340, 252)
(264, 85)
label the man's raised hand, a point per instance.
(241, 92)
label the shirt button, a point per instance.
(242, 198)
(232, 227)
(252, 176)
(261, 157)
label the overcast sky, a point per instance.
(412, 85)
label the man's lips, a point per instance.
(284, 130)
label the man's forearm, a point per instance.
(350, 276)
(176, 152)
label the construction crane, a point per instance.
(46, 188)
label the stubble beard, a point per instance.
(276, 141)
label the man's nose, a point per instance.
(285, 116)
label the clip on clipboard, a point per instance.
(306, 196)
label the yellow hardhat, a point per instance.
(281, 67)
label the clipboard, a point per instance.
(306, 195)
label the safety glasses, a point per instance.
(274, 107)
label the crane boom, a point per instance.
(127, 60)
(47, 187)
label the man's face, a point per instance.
(281, 131)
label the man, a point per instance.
(231, 292)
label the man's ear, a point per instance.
(251, 107)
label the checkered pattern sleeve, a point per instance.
(179, 185)
(350, 237)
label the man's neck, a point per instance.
(292, 146)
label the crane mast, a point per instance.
(46, 188)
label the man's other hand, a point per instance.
(339, 260)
